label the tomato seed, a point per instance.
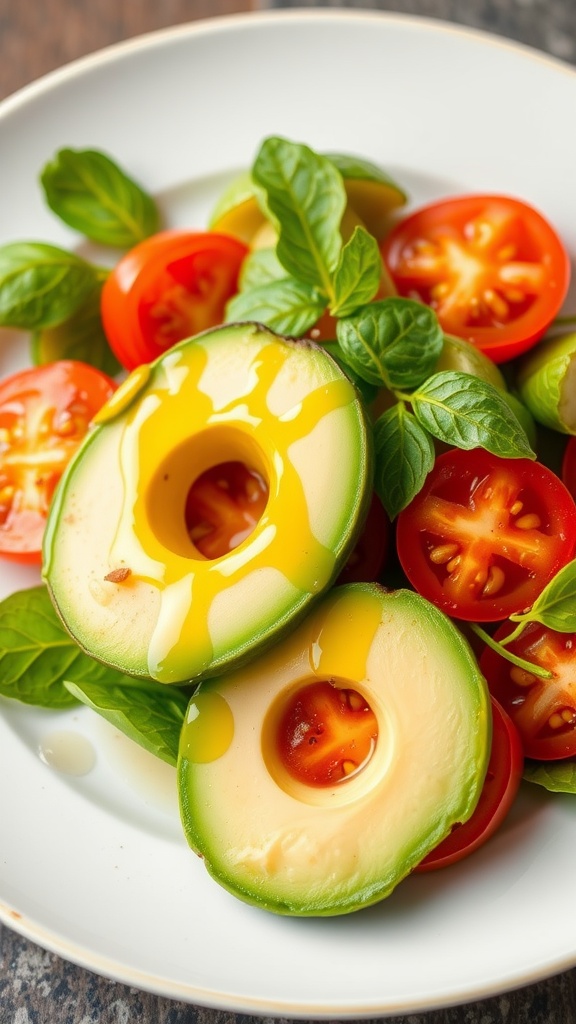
(530, 521)
(495, 581)
(443, 553)
(521, 677)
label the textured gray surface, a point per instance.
(548, 25)
(37, 987)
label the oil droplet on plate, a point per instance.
(68, 752)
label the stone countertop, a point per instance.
(37, 987)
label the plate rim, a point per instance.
(80, 955)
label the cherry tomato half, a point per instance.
(485, 535)
(171, 286)
(45, 412)
(503, 777)
(326, 733)
(223, 506)
(543, 710)
(492, 267)
(368, 557)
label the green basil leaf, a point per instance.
(467, 412)
(260, 267)
(81, 337)
(41, 285)
(555, 776)
(404, 455)
(37, 654)
(358, 273)
(306, 198)
(395, 342)
(287, 306)
(90, 193)
(149, 713)
(555, 606)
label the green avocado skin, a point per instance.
(541, 376)
(215, 803)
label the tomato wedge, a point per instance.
(485, 535)
(503, 777)
(568, 469)
(543, 710)
(44, 414)
(368, 558)
(492, 267)
(171, 286)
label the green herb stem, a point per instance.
(527, 666)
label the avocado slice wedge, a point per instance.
(304, 810)
(122, 569)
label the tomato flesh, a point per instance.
(368, 557)
(223, 506)
(45, 413)
(485, 535)
(492, 267)
(326, 733)
(169, 287)
(503, 777)
(543, 710)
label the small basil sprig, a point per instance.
(95, 197)
(396, 343)
(555, 776)
(555, 607)
(42, 285)
(148, 712)
(313, 270)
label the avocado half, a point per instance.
(121, 567)
(284, 843)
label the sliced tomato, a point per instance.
(171, 286)
(44, 414)
(326, 733)
(368, 557)
(485, 535)
(543, 710)
(492, 267)
(223, 506)
(503, 777)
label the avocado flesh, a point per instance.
(300, 850)
(241, 392)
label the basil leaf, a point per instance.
(464, 411)
(149, 713)
(260, 267)
(555, 606)
(306, 198)
(404, 455)
(41, 285)
(37, 654)
(287, 306)
(90, 193)
(555, 776)
(81, 337)
(395, 342)
(358, 273)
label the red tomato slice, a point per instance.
(44, 414)
(501, 785)
(169, 287)
(326, 733)
(368, 558)
(492, 267)
(223, 506)
(485, 535)
(543, 710)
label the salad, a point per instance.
(420, 366)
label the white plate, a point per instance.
(94, 867)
